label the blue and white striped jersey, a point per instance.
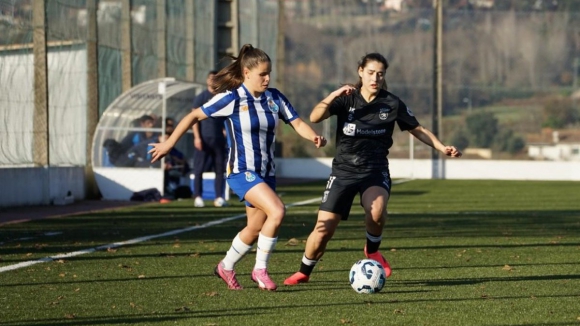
(251, 127)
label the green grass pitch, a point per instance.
(463, 253)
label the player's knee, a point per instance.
(276, 214)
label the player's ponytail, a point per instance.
(231, 77)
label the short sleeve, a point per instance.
(405, 117)
(287, 113)
(337, 104)
(221, 105)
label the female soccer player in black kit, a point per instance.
(366, 116)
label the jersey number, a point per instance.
(330, 181)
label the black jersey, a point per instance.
(365, 131)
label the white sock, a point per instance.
(373, 238)
(265, 247)
(236, 253)
(308, 262)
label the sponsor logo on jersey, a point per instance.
(373, 132)
(349, 129)
(250, 177)
(409, 112)
(383, 114)
(273, 106)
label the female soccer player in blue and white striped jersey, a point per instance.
(252, 110)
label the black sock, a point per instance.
(372, 246)
(306, 269)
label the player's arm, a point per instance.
(321, 111)
(427, 137)
(161, 149)
(306, 132)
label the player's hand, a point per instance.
(197, 143)
(319, 141)
(452, 151)
(158, 151)
(345, 90)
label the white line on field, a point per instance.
(145, 238)
(136, 240)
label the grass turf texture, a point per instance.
(462, 252)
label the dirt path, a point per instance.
(29, 213)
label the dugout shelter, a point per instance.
(119, 176)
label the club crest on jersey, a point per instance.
(349, 129)
(273, 106)
(350, 114)
(383, 114)
(250, 176)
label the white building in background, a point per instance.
(394, 5)
(555, 145)
(487, 4)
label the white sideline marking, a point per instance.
(136, 240)
(145, 238)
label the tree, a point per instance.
(483, 127)
(506, 141)
(460, 139)
(559, 113)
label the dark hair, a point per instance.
(212, 72)
(368, 58)
(146, 117)
(231, 77)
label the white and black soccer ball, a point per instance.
(367, 276)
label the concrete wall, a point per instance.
(121, 183)
(40, 186)
(452, 169)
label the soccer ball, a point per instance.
(367, 276)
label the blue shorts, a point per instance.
(242, 182)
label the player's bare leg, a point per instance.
(315, 246)
(254, 231)
(374, 202)
(269, 212)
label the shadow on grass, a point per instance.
(184, 314)
(19, 241)
(471, 281)
(127, 319)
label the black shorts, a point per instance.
(340, 191)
